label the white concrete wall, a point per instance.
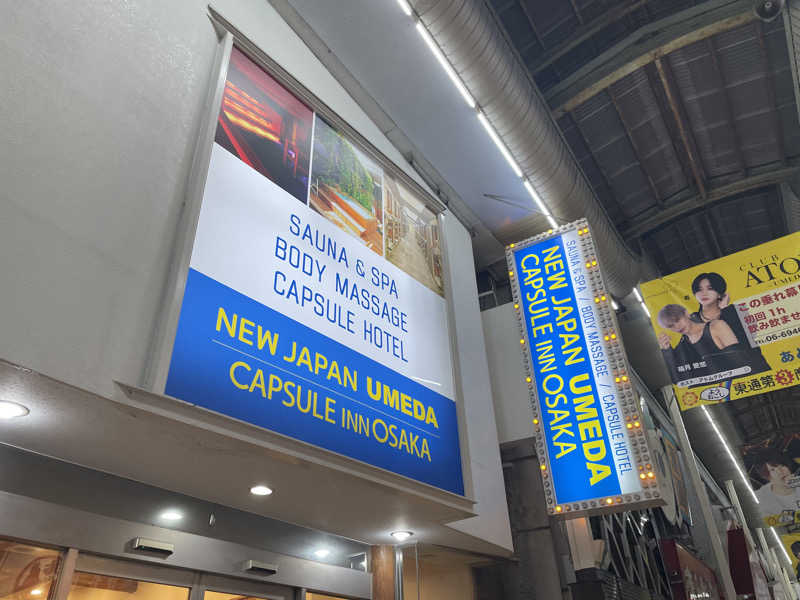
(472, 368)
(510, 393)
(101, 104)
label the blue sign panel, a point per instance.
(586, 444)
(238, 357)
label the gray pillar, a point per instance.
(538, 543)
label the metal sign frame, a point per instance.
(626, 397)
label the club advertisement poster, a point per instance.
(773, 467)
(730, 328)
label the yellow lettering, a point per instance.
(595, 450)
(320, 363)
(333, 373)
(258, 382)
(330, 409)
(265, 336)
(599, 472)
(419, 410)
(230, 325)
(232, 372)
(590, 429)
(425, 451)
(381, 438)
(305, 359)
(391, 397)
(275, 385)
(374, 393)
(244, 329)
(431, 417)
(405, 405)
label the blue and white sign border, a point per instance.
(641, 489)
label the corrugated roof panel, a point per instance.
(700, 89)
(739, 54)
(748, 219)
(664, 8)
(599, 122)
(517, 25)
(596, 177)
(639, 108)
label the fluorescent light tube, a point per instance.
(404, 5)
(445, 64)
(500, 145)
(536, 198)
(735, 462)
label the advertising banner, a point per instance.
(774, 470)
(689, 577)
(792, 544)
(749, 578)
(297, 316)
(586, 415)
(675, 460)
(730, 328)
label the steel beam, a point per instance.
(678, 113)
(770, 86)
(637, 151)
(531, 22)
(600, 168)
(669, 124)
(773, 177)
(728, 106)
(646, 45)
(577, 11)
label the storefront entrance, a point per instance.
(29, 572)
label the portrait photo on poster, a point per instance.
(774, 470)
(730, 328)
(792, 544)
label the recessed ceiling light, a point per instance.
(260, 490)
(171, 515)
(402, 536)
(322, 553)
(9, 410)
(36, 592)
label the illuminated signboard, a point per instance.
(730, 328)
(586, 417)
(314, 302)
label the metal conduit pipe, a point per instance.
(466, 32)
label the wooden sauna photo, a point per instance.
(412, 236)
(346, 186)
(264, 125)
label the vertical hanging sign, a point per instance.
(586, 419)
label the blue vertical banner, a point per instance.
(584, 414)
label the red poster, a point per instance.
(689, 577)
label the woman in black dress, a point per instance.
(710, 290)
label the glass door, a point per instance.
(98, 578)
(27, 572)
(90, 586)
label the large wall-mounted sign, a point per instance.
(730, 328)
(314, 303)
(586, 415)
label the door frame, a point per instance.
(197, 582)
